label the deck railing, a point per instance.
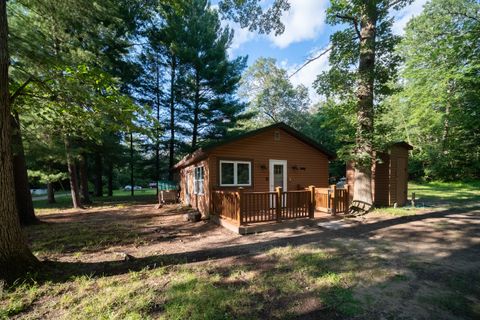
(254, 207)
(226, 205)
(332, 200)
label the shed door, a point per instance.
(401, 181)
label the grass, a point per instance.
(209, 291)
(436, 194)
(64, 199)
(445, 192)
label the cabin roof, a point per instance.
(203, 152)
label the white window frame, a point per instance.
(235, 173)
(197, 182)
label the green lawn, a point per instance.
(64, 199)
(454, 193)
(436, 195)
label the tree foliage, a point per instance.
(437, 108)
(272, 97)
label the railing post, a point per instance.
(311, 212)
(278, 204)
(334, 198)
(347, 198)
(239, 210)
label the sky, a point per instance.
(306, 34)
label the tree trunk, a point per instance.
(132, 190)
(446, 128)
(157, 138)
(50, 193)
(362, 190)
(23, 196)
(84, 179)
(15, 257)
(98, 175)
(196, 111)
(110, 180)
(172, 118)
(72, 172)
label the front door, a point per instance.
(278, 174)
(278, 177)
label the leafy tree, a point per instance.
(74, 51)
(362, 54)
(440, 100)
(271, 96)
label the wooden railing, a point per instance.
(258, 207)
(332, 200)
(254, 207)
(296, 204)
(226, 205)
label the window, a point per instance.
(198, 187)
(235, 173)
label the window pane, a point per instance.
(243, 173)
(227, 173)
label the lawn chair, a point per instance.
(359, 208)
(168, 196)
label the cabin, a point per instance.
(389, 176)
(259, 171)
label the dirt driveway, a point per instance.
(422, 266)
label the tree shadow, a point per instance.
(360, 231)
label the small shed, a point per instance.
(389, 176)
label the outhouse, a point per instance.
(389, 176)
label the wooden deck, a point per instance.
(267, 226)
(256, 209)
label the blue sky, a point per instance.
(306, 34)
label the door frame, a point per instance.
(271, 164)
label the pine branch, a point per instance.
(19, 90)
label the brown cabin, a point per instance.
(389, 176)
(258, 161)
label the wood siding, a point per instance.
(199, 202)
(276, 146)
(389, 185)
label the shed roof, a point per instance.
(203, 152)
(402, 144)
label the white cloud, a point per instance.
(309, 73)
(403, 16)
(240, 35)
(304, 21)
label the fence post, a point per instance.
(347, 199)
(239, 209)
(311, 212)
(334, 198)
(278, 204)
